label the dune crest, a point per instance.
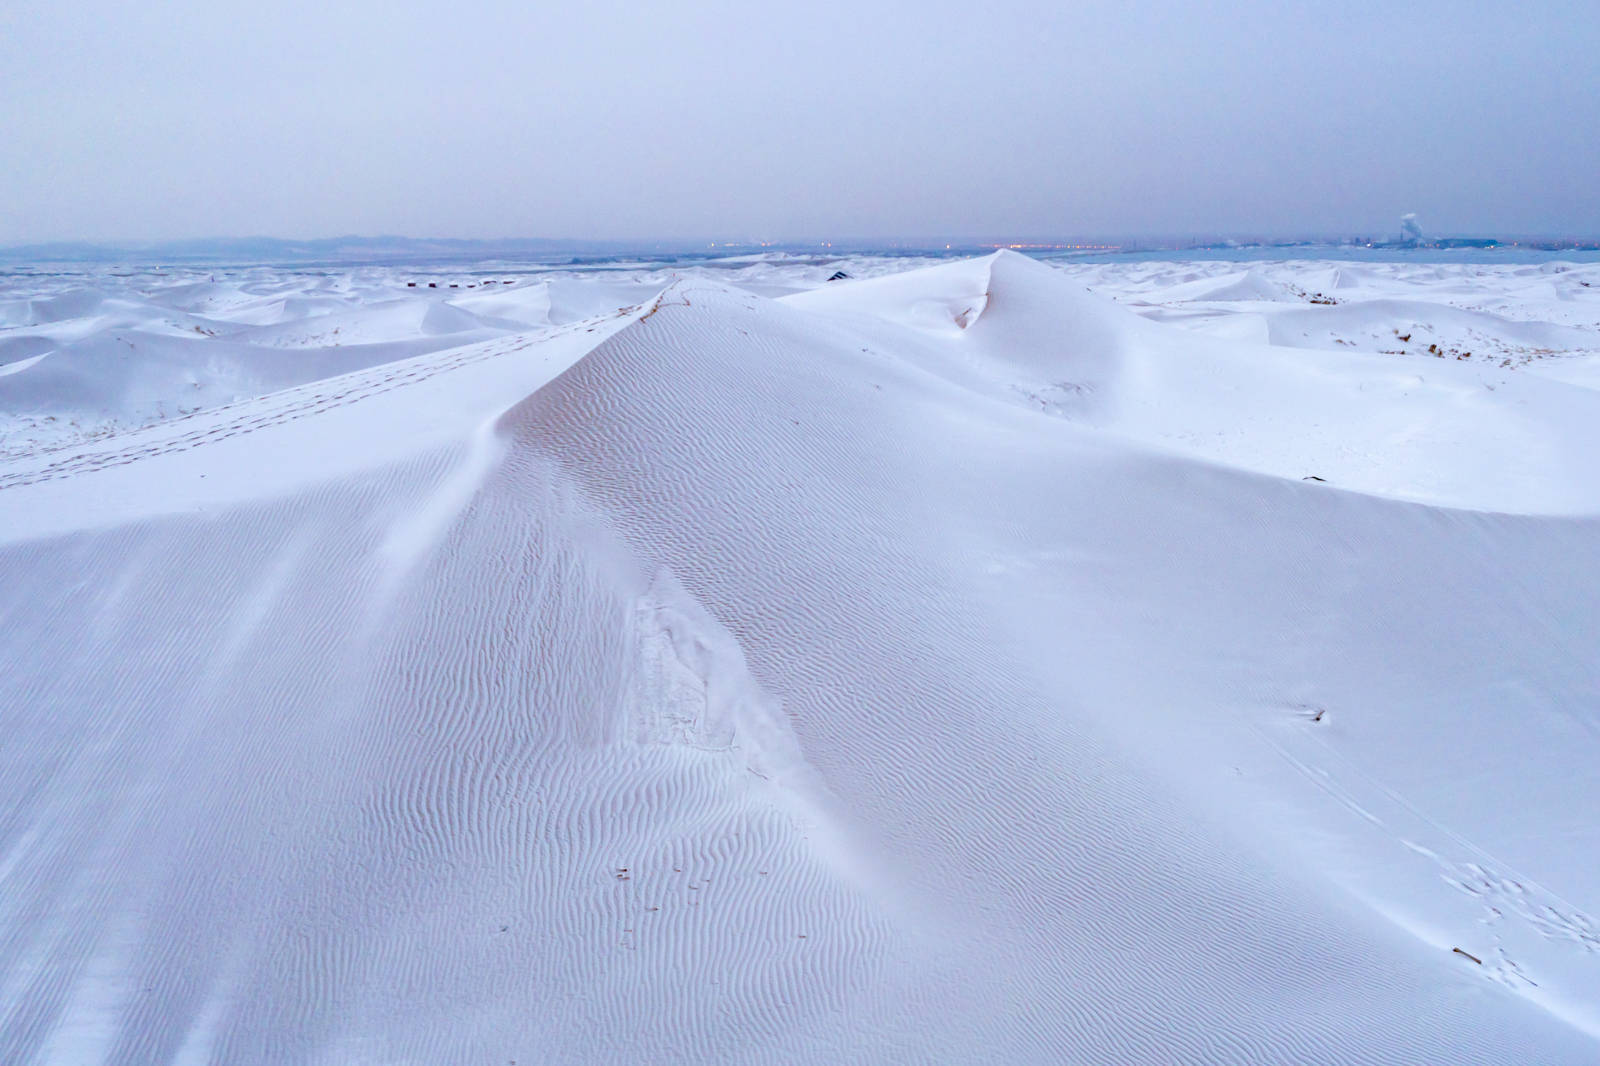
(735, 679)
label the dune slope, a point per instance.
(749, 681)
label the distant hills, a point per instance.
(341, 249)
(349, 250)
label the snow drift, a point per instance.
(730, 679)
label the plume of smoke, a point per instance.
(1409, 230)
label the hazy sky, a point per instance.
(150, 119)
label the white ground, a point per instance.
(952, 666)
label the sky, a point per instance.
(146, 119)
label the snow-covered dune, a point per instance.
(946, 667)
(83, 364)
(1422, 430)
(1244, 286)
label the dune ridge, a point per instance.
(749, 680)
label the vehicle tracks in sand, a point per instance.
(247, 416)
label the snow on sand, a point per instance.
(947, 667)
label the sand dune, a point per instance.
(1429, 431)
(944, 667)
(1247, 285)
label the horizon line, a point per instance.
(1027, 242)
